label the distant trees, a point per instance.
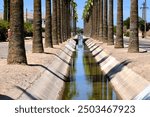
(106, 30)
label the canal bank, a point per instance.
(127, 84)
(42, 79)
(87, 81)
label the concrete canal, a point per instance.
(87, 82)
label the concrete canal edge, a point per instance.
(49, 83)
(127, 84)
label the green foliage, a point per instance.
(28, 29)
(74, 6)
(87, 9)
(127, 23)
(141, 24)
(3, 30)
(79, 30)
(115, 30)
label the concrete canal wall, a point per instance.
(51, 81)
(127, 84)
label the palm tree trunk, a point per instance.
(69, 19)
(93, 20)
(48, 25)
(101, 20)
(134, 39)
(37, 46)
(8, 10)
(16, 52)
(58, 21)
(54, 23)
(110, 25)
(61, 20)
(119, 32)
(5, 10)
(105, 31)
(65, 19)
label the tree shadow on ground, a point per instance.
(119, 67)
(27, 93)
(52, 71)
(103, 59)
(92, 45)
(97, 53)
(95, 48)
(63, 50)
(58, 57)
(5, 97)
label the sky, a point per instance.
(29, 5)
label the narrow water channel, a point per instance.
(87, 82)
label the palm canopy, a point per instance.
(74, 6)
(87, 8)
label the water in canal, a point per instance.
(87, 82)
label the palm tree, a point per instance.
(119, 31)
(87, 16)
(134, 39)
(48, 25)
(68, 19)
(63, 26)
(37, 46)
(110, 25)
(54, 23)
(75, 17)
(105, 31)
(59, 21)
(16, 52)
(101, 20)
(6, 10)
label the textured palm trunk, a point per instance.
(105, 28)
(94, 20)
(61, 20)
(48, 25)
(69, 19)
(74, 23)
(98, 18)
(58, 21)
(8, 10)
(37, 46)
(54, 23)
(134, 39)
(110, 24)
(5, 10)
(16, 52)
(65, 19)
(63, 28)
(119, 30)
(101, 20)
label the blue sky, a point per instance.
(29, 5)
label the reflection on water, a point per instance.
(86, 80)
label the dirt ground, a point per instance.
(22, 75)
(139, 62)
